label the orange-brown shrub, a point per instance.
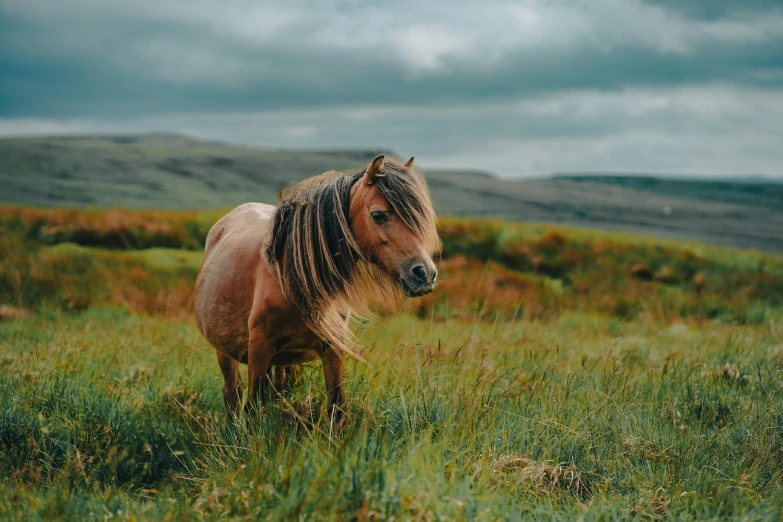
(112, 228)
(490, 269)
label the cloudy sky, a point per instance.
(523, 88)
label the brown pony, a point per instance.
(279, 284)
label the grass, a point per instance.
(107, 412)
(521, 391)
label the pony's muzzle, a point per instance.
(419, 280)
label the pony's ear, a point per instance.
(409, 165)
(374, 171)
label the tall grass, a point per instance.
(108, 413)
(556, 373)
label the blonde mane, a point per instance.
(316, 259)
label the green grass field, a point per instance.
(548, 378)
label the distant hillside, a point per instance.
(172, 171)
(162, 171)
(752, 191)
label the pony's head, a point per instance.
(337, 240)
(394, 224)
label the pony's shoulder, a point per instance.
(253, 210)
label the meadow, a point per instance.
(556, 373)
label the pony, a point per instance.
(279, 285)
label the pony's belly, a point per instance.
(298, 346)
(222, 317)
(231, 342)
(294, 357)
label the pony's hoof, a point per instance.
(337, 419)
(232, 419)
(253, 417)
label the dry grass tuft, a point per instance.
(652, 506)
(727, 372)
(641, 271)
(539, 477)
(11, 312)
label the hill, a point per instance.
(171, 171)
(162, 171)
(753, 191)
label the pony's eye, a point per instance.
(379, 216)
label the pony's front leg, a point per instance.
(333, 374)
(259, 355)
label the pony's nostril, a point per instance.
(434, 274)
(419, 272)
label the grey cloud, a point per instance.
(519, 88)
(717, 9)
(101, 58)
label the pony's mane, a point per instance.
(316, 259)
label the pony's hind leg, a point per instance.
(283, 377)
(232, 390)
(333, 374)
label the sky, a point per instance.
(526, 88)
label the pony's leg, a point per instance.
(259, 355)
(232, 390)
(283, 377)
(291, 374)
(333, 374)
(276, 376)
